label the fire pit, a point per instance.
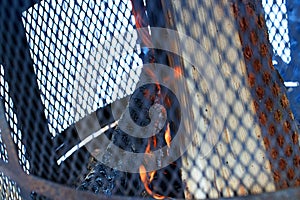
(142, 99)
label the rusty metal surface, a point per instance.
(279, 130)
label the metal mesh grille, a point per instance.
(277, 23)
(9, 190)
(69, 69)
(72, 42)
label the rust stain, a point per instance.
(272, 130)
(248, 52)
(288, 150)
(284, 101)
(266, 78)
(269, 104)
(296, 161)
(251, 79)
(262, 118)
(243, 24)
(275, 89)
(260, 21)
(253, 37)
(257, 65)
(282, 164)
(295, 138)
(242, 190)
(274, 153)
(276, 176)
(263, 50)
(270, 63)
(297, 182)
(280, 140)
(260, 92)
(266, 142)
(277, 116)
(286, 126)
(256, 106)
(235, 10)
(290, 174)
(291, 115)
(250, 8)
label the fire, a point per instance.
(140, 24)
(168, 135)
(154, 141)
(148, 148)
(147, 177)
(151, 74)
(168, 102)
(146, 182)
(151, 174)
(178, 71)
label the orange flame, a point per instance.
(151, 174)
(154, 77)
(154, 141)
(146, 41)
(146, 182)
(144, 34)
(178, 71)
(148, 148)
(168, 135)
(168, 102)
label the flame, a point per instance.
(154, 141)
(140, 24)
(178, 72)
(146, 182)
(147, 178)
(151, 174)
(168, 135)
(168, 102)
(148, 148)
(151, 74)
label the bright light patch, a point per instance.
(276, 20)
(74, 76)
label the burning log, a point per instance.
(144, 102)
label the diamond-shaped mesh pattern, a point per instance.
(9, 189)
(71, 72)
(72, 45)
(276, 20)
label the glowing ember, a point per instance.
(168, 135)
(146, 182)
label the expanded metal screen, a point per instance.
(150, 99)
